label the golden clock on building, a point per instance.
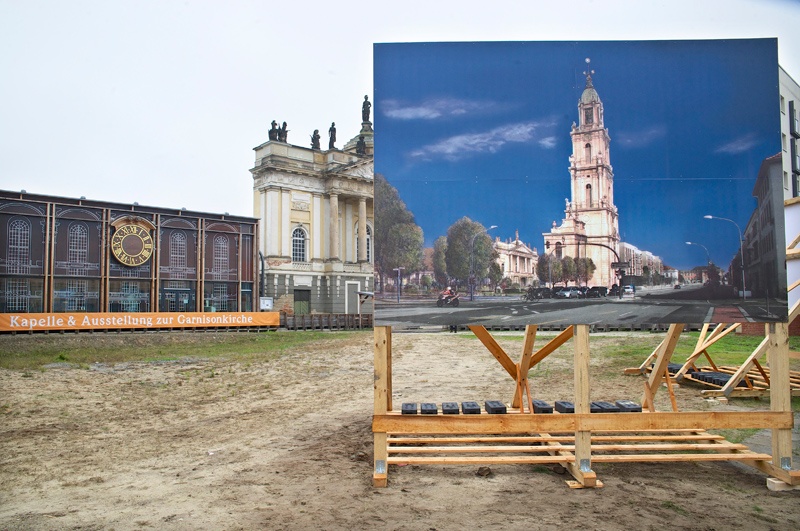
(132, 245)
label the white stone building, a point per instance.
(517, 261)
(316, 222)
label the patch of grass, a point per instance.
(35, 351)
(675, 507)
(736, 436)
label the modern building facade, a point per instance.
(790, 134)
(764, 228)
(316, 212)
(76, 255)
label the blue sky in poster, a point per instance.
(482, 130)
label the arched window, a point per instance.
(369, 243)
(298, 245)
(19, 246)
(78, 249)
(220, 254)
(78, 246)
(588, 196)
(558, 250)
(177, 254)
(587, 153)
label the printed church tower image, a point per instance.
(590, 228)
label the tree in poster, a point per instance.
(495, 274)
(548, 269)
(584, 268)
(469, 250)
(568, 270)
(439, 260)
(404, 247)
(394, 226)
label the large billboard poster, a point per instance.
(561, 183)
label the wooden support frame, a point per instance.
(752, 373)
(576, 440)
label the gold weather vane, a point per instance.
(588, 73)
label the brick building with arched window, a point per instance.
(75, 255)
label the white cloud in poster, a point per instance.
(469, 144)
(737, 145)
(433, 109)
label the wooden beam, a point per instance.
(564, 423)
(660, 365)
(720, 331)
(552, 345)
(545, 437)
(581, 468)
(780, 398)
(523, 366)
(382, 401)
(645, 366)
(794, 312)
(497, 351)
(745, 367)
(529, 449)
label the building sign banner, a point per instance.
(38, 322)
(598, 182)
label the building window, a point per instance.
(19, 246)
(131, 296)
(795, 157)
(177, 255)
(794, 125)
(588, 117)
(298, 245)
(17, 294)
(587, 153)
(76, 301)
(78, 249)
(588, 195)
(220, 254)
(369, 243)
(220, 296)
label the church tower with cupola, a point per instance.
(590, 228)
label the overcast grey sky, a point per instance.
(161, 102)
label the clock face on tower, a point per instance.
(132, 245)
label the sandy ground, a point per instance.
(286, 444)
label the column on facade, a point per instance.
(334, 249)
(316, 227)
(272, 218)
(362, 229)
(286, 223)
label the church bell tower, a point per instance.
(591, 226)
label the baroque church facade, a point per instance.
(590, 228)
(315, 209)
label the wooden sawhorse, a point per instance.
(575, 440)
